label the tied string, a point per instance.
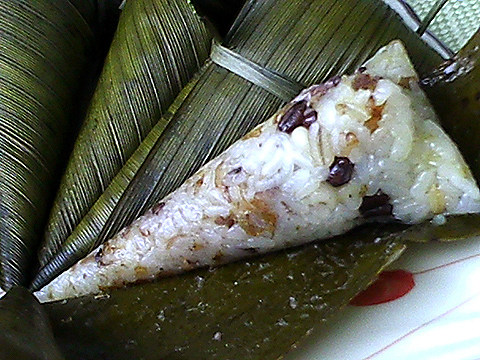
(273, 82)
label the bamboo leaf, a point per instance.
(454, 228)
(25, 331)
(158, 46)
(454, 89)
(247, 310)
(45, 47)
(330, 37)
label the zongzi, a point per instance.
(354, 149)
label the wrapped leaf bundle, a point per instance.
(157, 48)
(228, 105)
(355, 148)
(45, 47)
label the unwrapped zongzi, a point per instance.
(354, 149)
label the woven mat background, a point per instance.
(456, 22)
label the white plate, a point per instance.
(439, 319)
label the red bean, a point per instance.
(341, 171)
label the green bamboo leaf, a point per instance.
(25, 330)
(157, 48)
(246, 310)
(454, 90)
(45, 47)
(330, 37)
(453, 228)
